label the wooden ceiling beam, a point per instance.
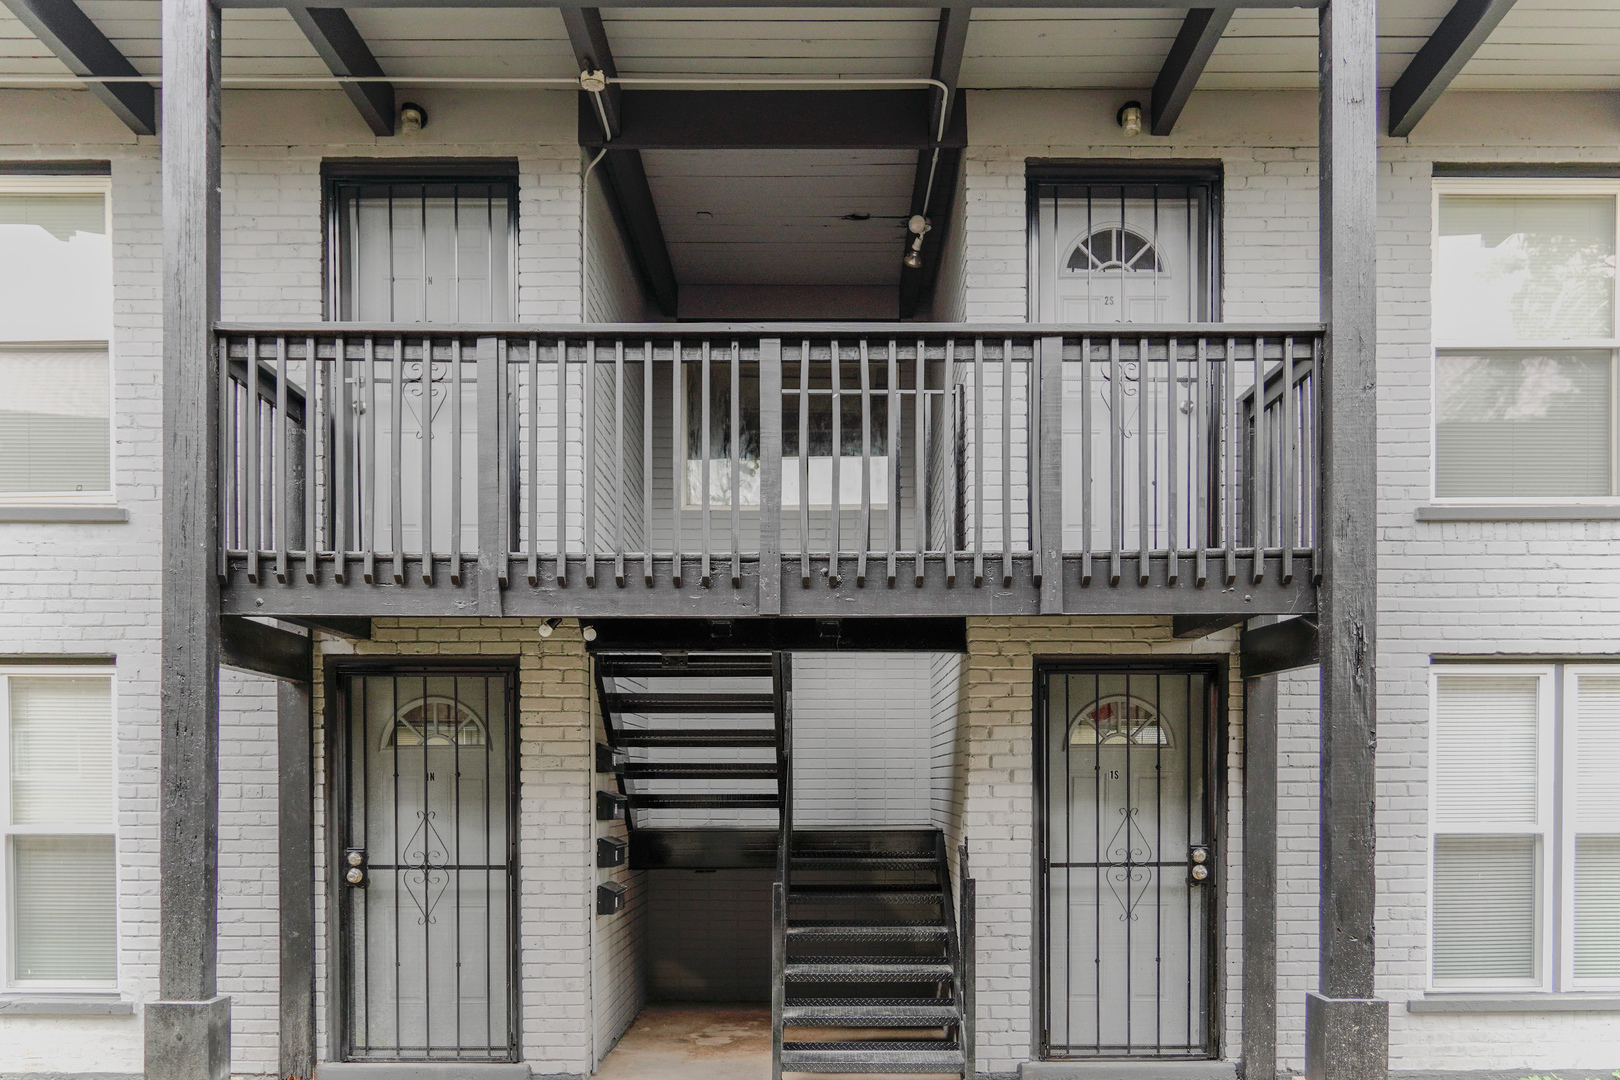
(68, 32)
(589, 40)
(1442, 58)
(624, 174)
(1200, 32)
(345, 52)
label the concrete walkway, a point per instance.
(706, 1042)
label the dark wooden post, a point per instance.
(1346, 1029)
(188, 1029)
(296, 838)
(1046, 440)
(1260, 878)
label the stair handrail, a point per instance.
(782, 686)
(965, 957)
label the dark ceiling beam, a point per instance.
(632, 200)
(1453, 44)
(774, 120)
(1200, 32)
(265, 649)
(1129, 5)
(78, 43)
(345, 52)
(1197, 626)
(624, 174)
(1281, 646)
(589, 40)
(950, 44)
(357, 627)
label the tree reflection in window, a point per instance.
(1112, 247)
(1118, 721)
(435, 721)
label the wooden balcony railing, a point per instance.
(737, 470)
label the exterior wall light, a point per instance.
(919, 226)
(412, 118)
(547, 627)
(1130, 118)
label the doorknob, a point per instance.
(355, 859)
(1199, 864)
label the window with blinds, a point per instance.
(1525, 890)
(55, 326)
(1526, 340)
(1490, 817)
(1595, 826)
(59, 870)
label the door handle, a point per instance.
(355, 860)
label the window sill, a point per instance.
(54, 515)
(1522, 1003)
(1519, 512)
(76, 1005)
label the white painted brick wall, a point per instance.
(860, 739)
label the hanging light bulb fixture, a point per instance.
(919, 226)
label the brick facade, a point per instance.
(1465, 589)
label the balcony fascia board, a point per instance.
(298, 600)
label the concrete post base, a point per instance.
(188, 1040)
(1346, 1038)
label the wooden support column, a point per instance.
(1260, 878)
(296, 836)
(188, 1030)
(1346, 1029)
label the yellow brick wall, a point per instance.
(996, 755)
(556, 832)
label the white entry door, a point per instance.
(1126, 914)
(1131, 254)
(427, 867)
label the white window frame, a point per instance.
(8, 981)
(70, 185)
(1543, 829)
(1527, 187)
(1571, 826)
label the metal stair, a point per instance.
(662, 711)
(872, 975)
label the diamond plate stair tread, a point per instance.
(695, 704)
(834, 969)
(843, 894)
(930, 1015)
(888, 1060)
(881, 1045)
(867, 932)
(897, 860)
(698, 770)
(700, 737)
(702, 802)
(864, 1003)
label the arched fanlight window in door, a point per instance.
(1115, 248)
(1118, 721)
(435, 721)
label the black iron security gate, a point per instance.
(427, 863)
(1127, 763)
